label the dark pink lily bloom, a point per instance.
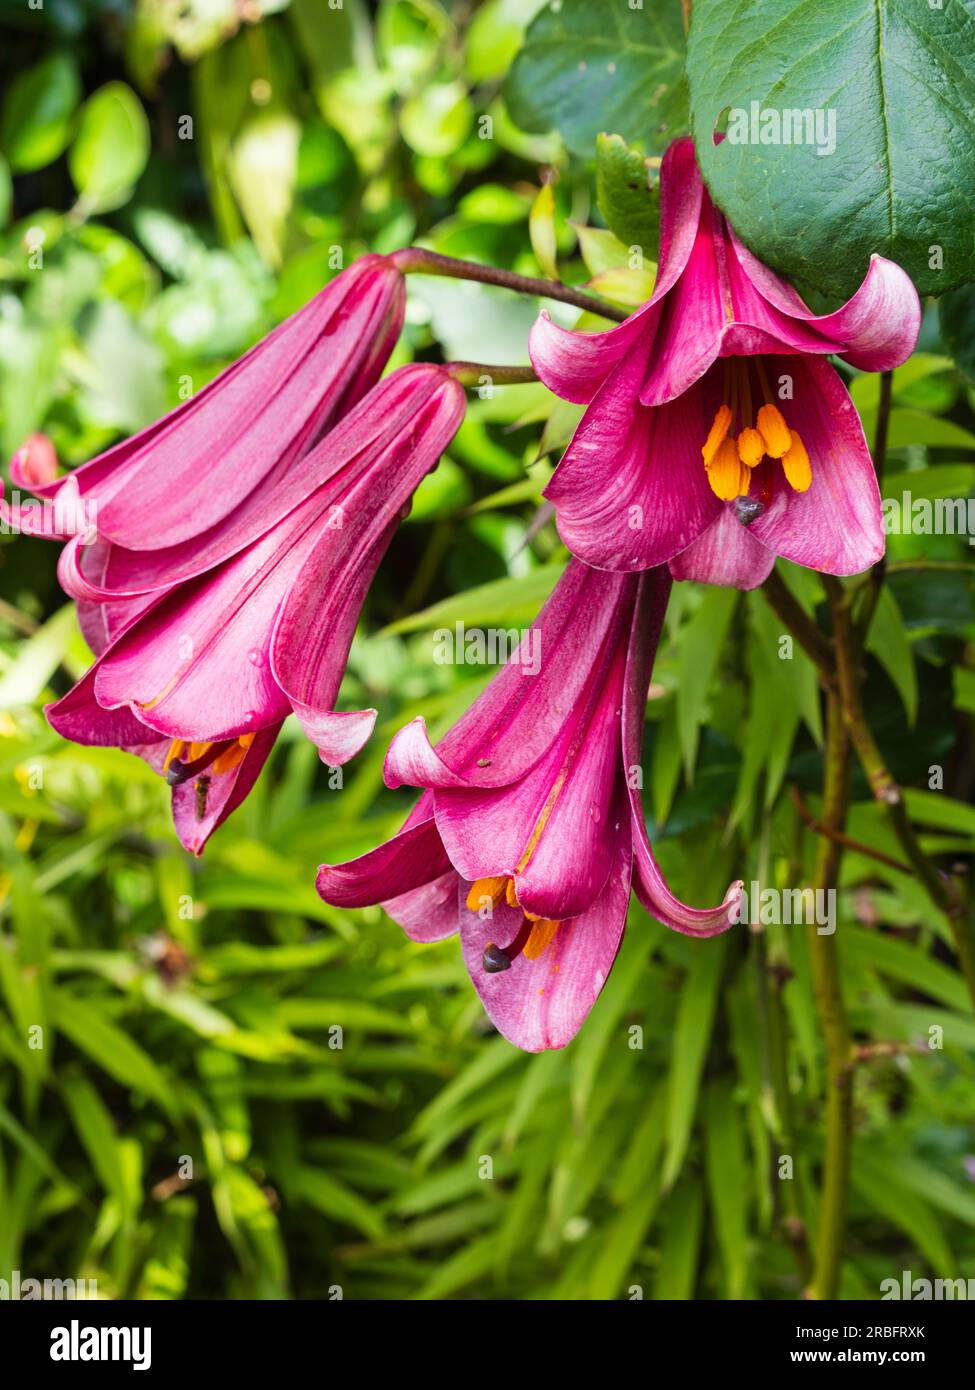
(530, 830)
(717, 435)
(206, 646)
(196, 466)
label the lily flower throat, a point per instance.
(741, 436)
(534, 935)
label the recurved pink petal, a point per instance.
(726, 554)
(35, 465)
(102, 621)
(682, 196)
(714, 309)
(575, 365)
(837, 525)
(79, 717)
(552, 831)
(874, 330)
(427, 913)
(582, 825)
(55, 518)
(412, 761)
(515, 721)
(631, 490)
(338, 735)
(540, 1004)
(648, 882)
(697, 308)
(413, 857)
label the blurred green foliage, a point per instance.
(175, 176)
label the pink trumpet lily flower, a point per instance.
(205, 646)
(717, 435)
(196, 466)
(530, 831)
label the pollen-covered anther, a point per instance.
(727, 474)
(717, 434)
(486, 890)
(234, 755)
(796, 465)
(540, 938)
(751, 447)
(774, 431)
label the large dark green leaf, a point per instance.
(899, 78)
(587, 67)
(956, 314)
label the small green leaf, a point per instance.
(929, 484)
(889, 644)
(111, 148)
(6, 192)
(336, 1201)
(436, 121)
(541, 228)
(728, 1184)
(877, 1181)
(680, 1245)
(628, 194)
(701, 644)
(263, 173)
(38, 658)
(692, 1036)
(97, 1132)
(165, 1273)
(601, 250)
(93, 1033)
(503, 602)
(36, 120)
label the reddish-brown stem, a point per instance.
(417, 260)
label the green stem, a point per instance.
(832, 1013)
(805, 629)
(875, 582)
(847, 841)
(476, 373)
(417, 260)
(887, 791)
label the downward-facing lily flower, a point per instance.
(530, 828)
(195, 467)
(716, 431)
(206, 646)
